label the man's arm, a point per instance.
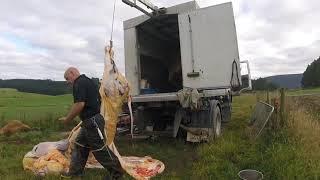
(74, 111)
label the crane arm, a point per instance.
(148, 4)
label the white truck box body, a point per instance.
(208, 45)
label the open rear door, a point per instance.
(209, 48)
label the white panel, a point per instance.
(213, 46)
(131, 59)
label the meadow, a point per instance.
(289, 152)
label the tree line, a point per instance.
(311, 78)
(47, 87)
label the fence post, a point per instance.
(257, 97)
(275, 115)
(282, 106)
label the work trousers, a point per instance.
(89, 139)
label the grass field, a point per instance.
(304, 91)
(292, 152)
(37, 110)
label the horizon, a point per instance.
(99, 78)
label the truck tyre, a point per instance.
(215, 117)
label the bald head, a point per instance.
(71, 74)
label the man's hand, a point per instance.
(75, 110)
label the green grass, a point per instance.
(278, 154)
(36, 110)
(304, 91)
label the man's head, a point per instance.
(71, 75)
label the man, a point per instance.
(91, 136)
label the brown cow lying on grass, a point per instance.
(13, 127)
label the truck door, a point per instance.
(209, 48)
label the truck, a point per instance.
(183, 65)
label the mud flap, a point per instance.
(203, 137)
(177, 121)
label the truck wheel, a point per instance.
(215, 115)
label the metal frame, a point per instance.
(148, 4)
(159, 97)
(249, 77)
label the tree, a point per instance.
(263, 84)
(311, 76)
(48, 87)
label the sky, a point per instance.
(39, 39)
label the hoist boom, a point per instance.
(155, 10)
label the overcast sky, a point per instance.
(39, 39)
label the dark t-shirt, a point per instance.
(85, 90)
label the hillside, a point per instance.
(47, 87)
(290, 81)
